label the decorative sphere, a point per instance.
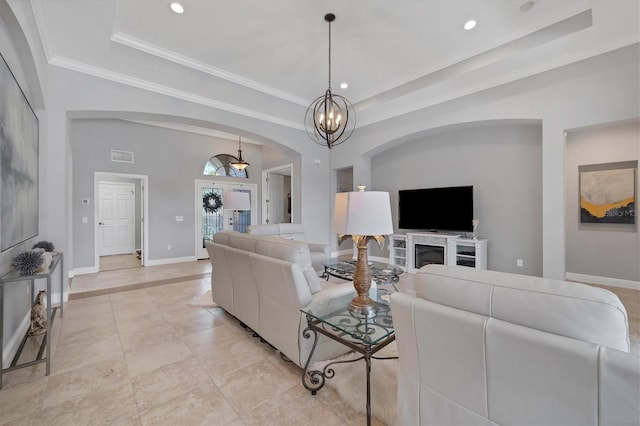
(46, 245)
(28, 262)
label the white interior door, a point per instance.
(277, 190)
(115, 218)
(277, 198)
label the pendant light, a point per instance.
(330, 119)
(240, 164)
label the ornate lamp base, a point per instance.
(363, 306)
(362, 303)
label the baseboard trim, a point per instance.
(171, 260)
(612, 282)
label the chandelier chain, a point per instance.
(329, 55)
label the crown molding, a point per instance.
(188, 62)
(418, 100)
(198, 130)
(105, 74)
(39, 17)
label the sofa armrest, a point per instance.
(319, 253)
(330, 294)
(325, 248)
(334, 296)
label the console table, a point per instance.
(364, 335)
(13, 277)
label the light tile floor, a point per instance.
(147, 356)
(119, 261)
(135, 278)
(131, 349)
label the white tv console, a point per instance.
(413, 250)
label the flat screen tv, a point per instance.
(436, 209)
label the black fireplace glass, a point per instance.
(426, 254)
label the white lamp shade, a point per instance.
(236, 200)
(362, 213)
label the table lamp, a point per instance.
(362, 215)
(236, 201)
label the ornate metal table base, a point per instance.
(359, 342)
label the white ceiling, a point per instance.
(267, 59)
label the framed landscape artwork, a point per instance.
(608, 193)
(18, 163)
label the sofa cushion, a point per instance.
(568, 309)
(242, 242)
(263, 229)
(293, 231)
(222, 237)
(292, 251)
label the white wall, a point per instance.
(503, 162)
(172, 160)
(78, 96)
(604, 89)
(14, 50)
(600, 250)
(600, 90)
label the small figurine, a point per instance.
(39, 314)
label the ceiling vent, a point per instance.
(121, 156)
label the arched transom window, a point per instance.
(220, 165)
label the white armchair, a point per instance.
(295, 231)
(486, 348)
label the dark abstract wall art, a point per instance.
(18, 163)
(608, 193)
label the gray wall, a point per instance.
(16, 303)
(602, 250)
(503, 162)
(171, 159)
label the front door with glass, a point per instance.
(212, 217)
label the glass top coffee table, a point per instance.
(362, 334)
(382, 273)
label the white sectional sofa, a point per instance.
(483, 348)
(294, 231)
(264, 281)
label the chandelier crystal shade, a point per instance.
(240, 164)
(331, 118)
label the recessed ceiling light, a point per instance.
(470, 24)
(344, 85)
(526, 6)
(177, 7)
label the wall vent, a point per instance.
(121, 156)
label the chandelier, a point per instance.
(330, 119)
(240, 164)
